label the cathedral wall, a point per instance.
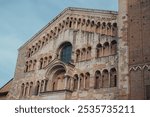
(94, 57)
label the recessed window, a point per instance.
(66, 53)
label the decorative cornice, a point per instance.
(65, 11)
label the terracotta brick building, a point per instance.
(88, 54)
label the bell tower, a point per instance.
(134, 31)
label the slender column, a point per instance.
(27, 91)
(43, 88)
(39, 88)
(84, 82)
(109, 78)
(72, 82)
(78, 87)
(109, 49)
(66, 81)
(24, 91)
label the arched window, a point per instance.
(42, 86)
(113, 47)
(76, 82)
(88, 52)
(83, 55)
(77, 55)
(105, 78)
(22, 90)
(31, 88)
(26, 67)
(87, 80)
(113, 77)
(106, 49)
(109, 28)
(114, 29)
(81, 81)
(66, 51)
(103, 28)
(26, 90)
(99, 50)
(37, 89)
(41, 63)
(97, 79)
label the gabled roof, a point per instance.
(4, 89)
(65, 11)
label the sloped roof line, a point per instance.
(6, 84)
(63, 12)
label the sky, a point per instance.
(21, 19)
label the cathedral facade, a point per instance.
(87, 54)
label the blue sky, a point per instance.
(21, 19)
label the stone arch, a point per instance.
(65, 52)
(37, 88)
(36, 47)
(41, 63)
(26, 89)
(76, 80)
(55, 75)
(88, 22)
(113, 77)
(106, 49)
(78, 55)
(98, 27)
(34, 64)
(42, 86)
(114, 29)
(114, 47)
(89, 49)
(83, 21)
(87, 80)
(45, 62)
(108, 28)
(32, 50)
(83, 54)
(49, 59)
(105, 78)
(39, 44)
(31, 89)
(103, 28)
(30, 65)
(98, 80)
(78, 23)
(22, 90)
(26, 66)
(99, 51)
(81, 81)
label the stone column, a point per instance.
(66, 82)
(39, 88)
(24, 91)
(109, 78)
(72, 84)
(78, 83)
(84, 82)
(45, 86)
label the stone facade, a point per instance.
(88, 54)
(73, 57)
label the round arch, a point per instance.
(65, 52)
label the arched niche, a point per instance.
(55, 76)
